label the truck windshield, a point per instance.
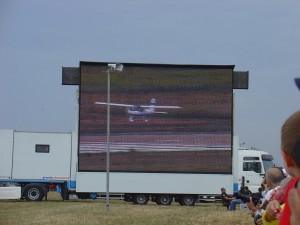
(267, 161)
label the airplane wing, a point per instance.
(142, 106)
(160, 107)
(114, 104)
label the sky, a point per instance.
(39, 37)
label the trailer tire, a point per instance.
(140, 199)
(164, 199)
(33, 192)
(187, 200)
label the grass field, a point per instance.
(55, 211)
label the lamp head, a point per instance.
(115, 67)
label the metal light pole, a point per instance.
(111, 67)
(107, 139)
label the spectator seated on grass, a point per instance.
(226, 199)
(240, 198)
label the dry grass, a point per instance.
(56, 212)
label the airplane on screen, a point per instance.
(141, 110)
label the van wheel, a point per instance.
(140, 199)
(164, 199)
(33, 192)
(187, 200)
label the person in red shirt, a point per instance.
(294, 200)
(290, 151)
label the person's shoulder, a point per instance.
(223, 194)
(292, 182)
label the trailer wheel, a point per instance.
(164, 199)
(33, 192)
(140, 199)
(187, 200)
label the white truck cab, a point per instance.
(253, 165)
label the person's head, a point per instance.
(223, 190)
(290, 144)
(273, 177)
(244, 190)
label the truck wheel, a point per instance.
(164, 199)
(187, 200)
(140, 199)
(33, 192)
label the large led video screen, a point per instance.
(163, 118)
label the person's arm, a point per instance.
(264, 204)
(259, 222)
(251, 205)
(272, 210)
(228, 198)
